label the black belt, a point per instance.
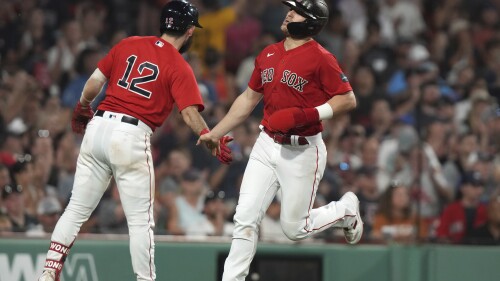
(125, 119)
(284, 139)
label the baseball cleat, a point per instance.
(354, 230)
(48, 275)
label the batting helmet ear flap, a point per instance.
(304, 29)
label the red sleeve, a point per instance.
(184, 88)
(443, 229)
(106, 63)
(332, 78)
(255, 82)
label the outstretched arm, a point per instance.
(193, 119)
(239, 111)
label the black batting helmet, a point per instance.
(315, 12)
(177, 16)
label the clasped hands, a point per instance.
(217, 145)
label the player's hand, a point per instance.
(81, 117)
(293, 117)
(224, 156)
(210, 141)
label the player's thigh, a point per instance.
(91, 180)
(258, 188)
(134, 173)
(299, 173)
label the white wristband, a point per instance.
(325, 111)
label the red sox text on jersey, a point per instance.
(291, 79)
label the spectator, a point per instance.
(13, 199)
(368, 195)
(111, 217)
(270, 228)
(61, 57)
(48, 212)
(462, 216)
(4, 180)
(5, 224)
(394, 220)
(216, 213)
(215, 19)
(366, 94)
(405, 16)
(241, 34)
(190, 204)
(488, 233)
(85, 66)
(22, 174)
(462, 157)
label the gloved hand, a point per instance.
(219, 147)
(81, 117)
(285, 119)
(224, 155)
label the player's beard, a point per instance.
(186, 45)
(284, 29)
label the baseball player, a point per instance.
(301, 84)
(146, 76)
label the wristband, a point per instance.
(204, 131)
(325, 111)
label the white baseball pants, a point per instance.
(297, 170)
(113, 148)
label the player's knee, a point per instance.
(245, 224)
(292, 230)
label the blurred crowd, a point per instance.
(421, 150)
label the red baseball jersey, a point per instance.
(304, 77)
(146, 76)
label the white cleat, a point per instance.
(48, 275)
(354, 231)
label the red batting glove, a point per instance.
(204, 131)
(81, 117)
(224, 156)
(285, 119)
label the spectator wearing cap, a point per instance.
(48, 212)
(14, 142)
(13, 199)
(488, 233)
(485, 166)
(190, 204)
(216, 212)
(463, 155)
(23, 175)
(466, 213)
(368, 195)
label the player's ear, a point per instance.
(190, 31)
